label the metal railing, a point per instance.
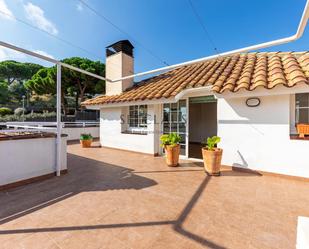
(44, 126)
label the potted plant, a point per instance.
(170, 143)
(302, 129)
(212, 156)
(85, 140)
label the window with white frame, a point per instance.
(175, 120)
(302, 108)
(138, 116)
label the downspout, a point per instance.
(297, 35)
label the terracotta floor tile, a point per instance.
(114, 199)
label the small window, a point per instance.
(138, 116)
(302, 108)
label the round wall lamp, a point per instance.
(253, 102)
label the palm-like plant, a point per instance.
(85, 136)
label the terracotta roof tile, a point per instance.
(232, 73)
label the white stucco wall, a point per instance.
(258, 138)
(26, 158)
(75, 132)
(111, 129)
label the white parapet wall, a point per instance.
(23, 159)
(75, 132)
(72, 130)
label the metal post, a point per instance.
(59, 128)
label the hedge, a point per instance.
(5, 111)
(48, 117)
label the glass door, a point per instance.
(175, 120)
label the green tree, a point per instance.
(73, 83)
(82, 83)
(4, 92)
(17, 90)
(13, 70)
(31, 69)
(44, 82)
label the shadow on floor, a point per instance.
(84, 175)
(167, 171)
(176, 224)
(225, 171)
(192, 164)
(240, 172)
(91, 175)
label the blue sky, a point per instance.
(166, 27)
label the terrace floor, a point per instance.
(116, 199)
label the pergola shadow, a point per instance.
(85, 175)
(90, 183)
(176, 224)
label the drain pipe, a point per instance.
(297, 35)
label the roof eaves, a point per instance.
(128, 103)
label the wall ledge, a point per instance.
(297, 137)
(6, 137)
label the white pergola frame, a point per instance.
(59, 64)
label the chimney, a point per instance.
(119, 63)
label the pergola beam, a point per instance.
(52, 60)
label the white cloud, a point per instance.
(36, 15)
(8, 54)
(44, 53)
(79, 6)
(5, 12)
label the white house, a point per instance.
(253, 101)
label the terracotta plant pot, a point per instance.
(303, 129)
(212, 161)
(172, 155)
(86, 143)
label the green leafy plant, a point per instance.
(170, 139)
(211, 142)
(85, 136)
(5, 111)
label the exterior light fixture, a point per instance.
(253, 102)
